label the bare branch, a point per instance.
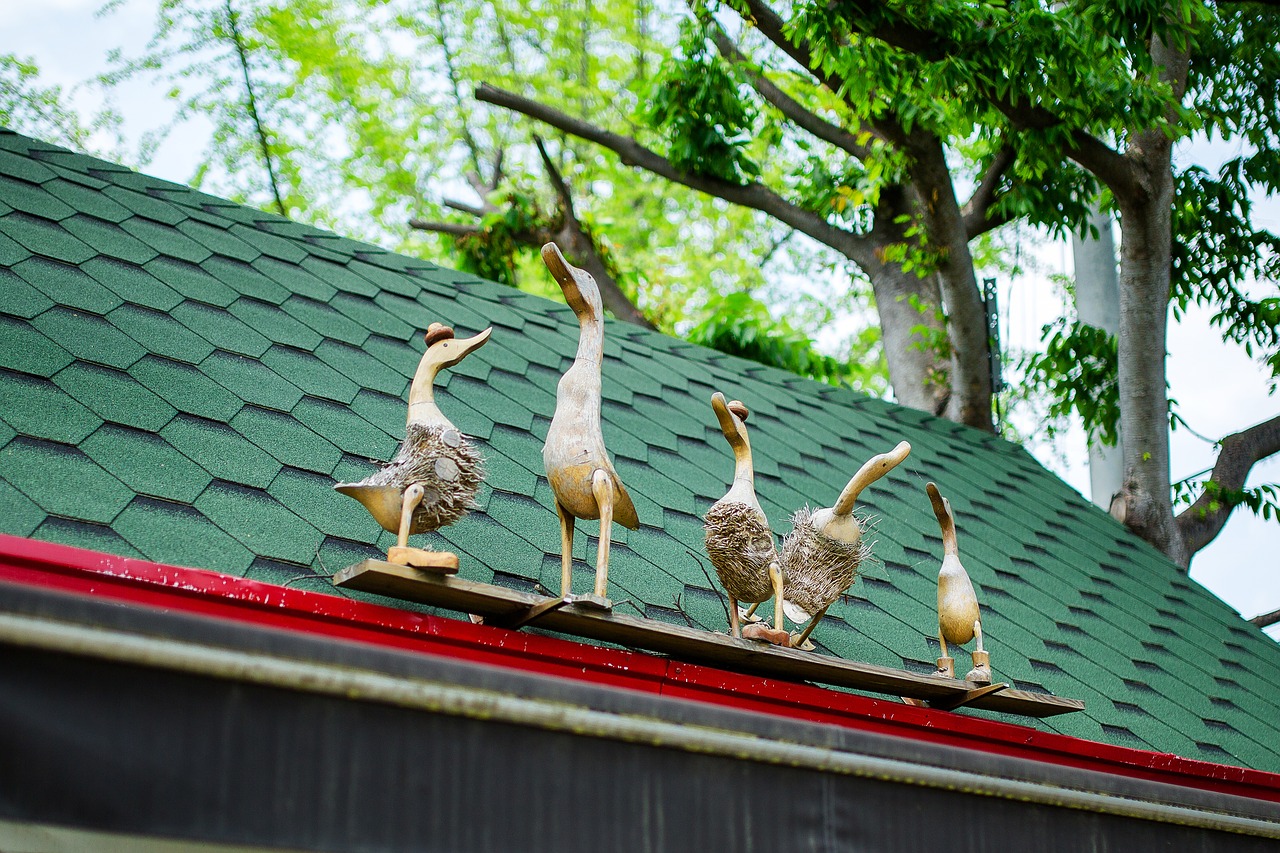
(1266, 620)
(463, 207)
(754, 195)
(1204, 519)
(792, 109)
(977, 210)
(583, 250)
(453, 229)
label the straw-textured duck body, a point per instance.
(437, 470)
(821, 554)
(741, 547)
(447, 465)
(817, 568)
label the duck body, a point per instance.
(739, 541)
(435, 475)
(442, 459)
(579, 470)
(575, 449)
(957, 602)
(822, 553)
(741, 547)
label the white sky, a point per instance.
(1218, 389)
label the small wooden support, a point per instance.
(950, 703)
(500, 605)
(518, 620)
(443, 562)
(592, 601)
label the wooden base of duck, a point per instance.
(443, 562)
(762, 631)
(500, 605)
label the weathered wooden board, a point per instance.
(501, 605)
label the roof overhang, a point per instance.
(172, 702)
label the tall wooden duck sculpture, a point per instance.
(433, 479)
(959, 619)
(821, 554)
(582, 477)
(738, 538)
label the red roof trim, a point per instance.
(196, 591)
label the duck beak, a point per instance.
(566, 275)
(471, 344)
(730, 424)
(455, 350)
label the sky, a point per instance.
(1219, 390)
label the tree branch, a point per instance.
(754, 195)
(790, 108)
(583, 251)
(1266, 620)
(977, 210)
(772, 27)
(453, 229)
(1108, 165)
(463, 207)
(1204, 519)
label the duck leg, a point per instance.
(602, 488)
(735, 627)
(981, 671)
(566, 549)
(946, 663)
(775, 575)
(408, 503)
(799, 641)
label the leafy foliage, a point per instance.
(703, 109)
(43, 111)
(1077, 370)
(741, 325)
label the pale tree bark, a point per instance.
(1145, 201)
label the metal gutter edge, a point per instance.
(434, 697)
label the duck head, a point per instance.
(732, 416)
(580, 289)
(838, 522)
(444, 350)
(946, 520)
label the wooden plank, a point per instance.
(687, 644)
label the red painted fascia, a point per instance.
(209, 594)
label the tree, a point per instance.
(1029, 88)
(363, 113)
(871, 184)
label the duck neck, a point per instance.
(744, 473)
(422, 396)
(590, 341)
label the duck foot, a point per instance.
(981, 672)
(762, 631)
(946, 667)
(441, 562)
(592, 602)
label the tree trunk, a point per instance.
(970, 402)
(912, 329)
(1146, 245)
(1146, 252)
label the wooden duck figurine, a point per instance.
(582, 478)
(821, 554)
(958, 617)
(739, 540)
(432, 480)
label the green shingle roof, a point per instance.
(184, 379)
